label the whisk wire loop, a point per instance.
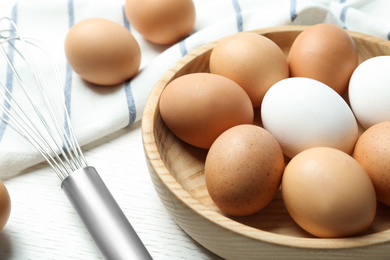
(24, 129)
(52, 135)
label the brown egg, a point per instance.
(253, 61)
(372, 151)
(161, 21)
(199, 107)
(102, 52)
(243, 169)
(326, 53)
(328, 193)
(5, 205)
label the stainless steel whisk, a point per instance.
(45, 122)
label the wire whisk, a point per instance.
(40, 133)
(36, 108)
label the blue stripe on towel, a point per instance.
(293, 10)
(237, 8)
(125, 21)
(127, 86)
(130, 102)
(71, 13)
(68, 75)
(183, 48)
(343, 15)
(10, 75)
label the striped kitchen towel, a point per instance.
(97, 111)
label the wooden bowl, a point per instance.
(176, 170)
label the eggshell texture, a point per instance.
(253, 61)
(102, 52)
(161, 21)
(243, 169)
(199, 107)
(303, 113)
(369, 91)
(372, 151)
(5, 205)
(326, 53)
(328, 193)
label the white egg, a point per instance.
(369, 91)
(303, 113)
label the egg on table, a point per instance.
(161, 21)
(102, 52)
(5, 205)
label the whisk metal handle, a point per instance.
(108, 226)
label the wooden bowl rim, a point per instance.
(148, 122)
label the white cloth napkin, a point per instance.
(97, 111)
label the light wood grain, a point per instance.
(176, 169)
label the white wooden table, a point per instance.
(43, 224)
